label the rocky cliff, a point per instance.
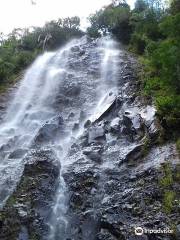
(118, 173)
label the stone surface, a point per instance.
(113, 169)
(27, 210)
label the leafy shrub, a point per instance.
(138, 43)
(112, 19)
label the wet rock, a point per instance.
(107, 104)
(87, 124)
(46, 133)
(135, 153)
(93, 153)
(155, 130)
(27, 210)
(82, 116)
(50, 131)
(148, 115)
(18, 153)
(71, 115)
(83, 140)
(178, 231)
(61, 100)
(111, 186)
(76, 200)
(11, 142)
(72, 90)
(105, 235)
(133, 123)
(96, 134)
(75, 127)
(75, 49)
(115, 125)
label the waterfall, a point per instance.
(76, 80)
(107, 82)
(31, 107)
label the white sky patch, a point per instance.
(26, 13)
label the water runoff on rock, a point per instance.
(58, 93)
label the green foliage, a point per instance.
(22, 46)
(175, 6)
(112, 19)
(168, 201)
(164, 78)
(138, 43)
(167, 180)
(178, 148)
(140, 6)
(144, 20)
(156, 36)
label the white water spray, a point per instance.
(33, 106)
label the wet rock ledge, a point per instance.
(122, 175)
(26, 211)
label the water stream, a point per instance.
(71, 82)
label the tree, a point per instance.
(112, 19)
(175, 7)
(140, 6)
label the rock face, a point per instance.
(115, 186)
(117, 176)
(49, 131)
(27, 210)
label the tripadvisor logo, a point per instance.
(140, 231)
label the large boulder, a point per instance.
(105, 106)
(133, 123)
(96, 134)
(28, 208)
(50, 131)
(115, 125)
(93, 153)
(18, 153)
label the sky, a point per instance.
(27, 13)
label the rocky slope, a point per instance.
(119, 175)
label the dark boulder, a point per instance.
(96, 134)
(50, 131)
(93, 153)
(18, 153)
(27, 210)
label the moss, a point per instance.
(167, 179)
(34, 236)
(11, 201)
(146, 146)
(14, 79)
(168, 201)
(178, 146)
(168, 185)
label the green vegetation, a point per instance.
(178, 145)
(167, 179)
(151, 30)
(21, 47)
(114, 19)
(168, 184)
(168, 200)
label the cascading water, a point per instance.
(108, 55)
(29, 110)
(74, 82)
